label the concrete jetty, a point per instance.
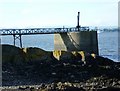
(66, 39)
(77, 41)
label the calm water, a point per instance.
(108, 43)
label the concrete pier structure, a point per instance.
(77, 41)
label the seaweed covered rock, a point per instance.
(93, 59)
(41, 68)
(37, 54)
(12, 54)
(104, 61)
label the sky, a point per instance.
(57, 13)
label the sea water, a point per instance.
(107, 43)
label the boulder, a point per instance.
(12, 54)
(77, 55)
(37, 54)
(67, 56)
(63, 55)
(104, 61)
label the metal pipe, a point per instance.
(78, 19)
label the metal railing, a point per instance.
(28, 31)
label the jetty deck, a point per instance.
(29, 31)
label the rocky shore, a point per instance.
(33, 69)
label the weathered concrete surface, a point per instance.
(77, 41)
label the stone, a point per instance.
(12, 54)
(63, 55)
(37, 54)
(103, 61)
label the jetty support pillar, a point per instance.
(19, 37)
(77, 41)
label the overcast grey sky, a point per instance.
(57, 13)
